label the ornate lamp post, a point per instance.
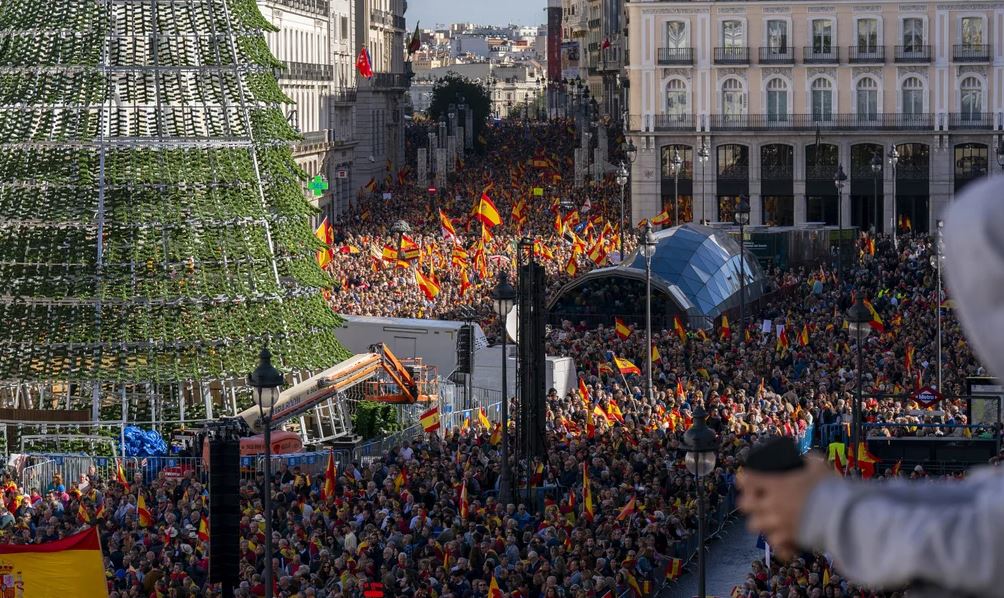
(876, 165)
(400, 229)
(742, 219)
(701, 444)
(504, 297)
(702, 155)
(265, 381)
(893, 156)
(858, 318)
(839, 180)
(676, 162)
(647, 246)
(622, 179)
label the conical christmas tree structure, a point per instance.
(153, 225)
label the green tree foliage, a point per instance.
(153, 224)
(448, 89)
(375, 420)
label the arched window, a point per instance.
(867, 99)
(913, 96)
(733, 97)
(971, 98)
(676, 98)
(777, 99)
(822, 99)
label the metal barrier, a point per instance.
(378, 448)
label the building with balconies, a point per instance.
(770, 99)
(315, 43)
(380, 27)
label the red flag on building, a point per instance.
(363, 64)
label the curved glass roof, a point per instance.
(695, 266)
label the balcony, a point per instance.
(343, 96)
(777, 55)
(319, 7)
(821, 55)
(390, 80)
(381, 17)
(663, 122)
(594, 23)
(865, 55)
(913, 54)
(971, 120)
(398, 22)
(307, 70)
(832, 122)
(676, 56)
(971, 53)
(732, 55)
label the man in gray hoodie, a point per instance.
(940, 538)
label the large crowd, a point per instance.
(425, 519)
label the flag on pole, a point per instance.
(447, 226)
(493, 589)
(656, 357)
(465, 505)
(627, 511)
(674, 568)
(120, 475)
(427, 284)
(587, 493)
(203, 529)
(145, 518)
(487, 213)
(679, 329)
(71, 566)
(803, 337)
(363, 64)
(876, 321)
(726, 332)
(622, 329)
(626, 367)
(328, 489)
(415, 43)
(483, 419)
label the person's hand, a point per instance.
(774, 502)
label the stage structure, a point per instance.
(154, 232)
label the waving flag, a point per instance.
(447, 226)
(145, 518)
(679, 329)
(487, 213)
(324, 234)
(71, 566)
(876, 321)
(572, 266)
(203, 532)
(622, 329)
(782, 341)
(627, 511)
(483, 419)
(120, 475)
(493, 589)
(363, 64)
(908, 360)
(626, 367)
(427, 284)
(726, 332)
(803, 337)
(584, 394)
(328, 489)
(662, 218)
(590, 426)
(430, 420)
(674, 568)
(587, 493)
(656, 356)
(465, 505)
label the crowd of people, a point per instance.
(616, 509)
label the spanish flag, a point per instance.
(203, 533)
(623, 332)
(572, 266)
(323, 255)
(483, 419)
(782, 341)
(71, 566)
(487, 213)
(803, 337)
(661, 219)
(401, 479)
(587, 493)
(465, 504)
(428, 285)
(590, 426)
(876, 321)
(447, 226)
(627, 511)
(328, 489)
(145, 518)
(908, 360)
(726, 332)
(656, 357)
(680, 330)
(493, 589)
(626, 367)
(430, 420)
(674, 568)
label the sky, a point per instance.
(483, 12)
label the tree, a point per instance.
(152, 220)
(448, 89)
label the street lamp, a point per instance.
(893, 156)
(622, 179)
(839, 180)
(647, 246)
(701, 443)
(742, 219)
(631, 151)
(936, 260)
(504, 297)
(676, 163)
(876, 165)
(265, 381)
(702, 155)
(999, 150)
(858, 318)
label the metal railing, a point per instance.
(390, 80)
(865, 55)
(313, 6)
(314, 138)
(971, 53)
(675, 56)
(913, 54)
(343, 96)
(831, 122)
(398, 22)
(732, 55)
(381, 17)
(770, 55)
(674, 122)
(820, 55)
(593, 23)
(971, 120)
(307, 70)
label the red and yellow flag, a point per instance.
(656, 357)
(674, 568)
(876, 321)
(679, 329)
(622, 329)
(465, 505)
(203, 529)
(328, 489)
(908, 360)
(627, 511)
(587, 493)
(483, 419)
(626, 367)
(726, 332)
(782, 341)
(145, 518)
(120, 475)
(487, 213)
(427, 284)
(447, 226)
(323, 234)
(572, 266)
(662, 218)
(493, 589)
(803, 337)
(71, 566)
(430, 420)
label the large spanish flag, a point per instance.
(68, 567)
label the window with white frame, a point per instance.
(913, 35)
(867, 99)
(868, 35)
(822, 99)
(972, 31)
(971, 98)
(733, 34)
(676, 34)
(777, 36)
(676, 98)
(913, 96)
(777, 99)
(733, 98)
(822, 36)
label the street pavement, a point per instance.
(728, 563)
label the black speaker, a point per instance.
(465, 342)
(224, 512)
